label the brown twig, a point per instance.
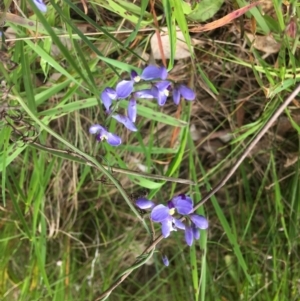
(160, 46)
(246, 152)
(217, 187)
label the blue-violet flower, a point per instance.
(183, 204)
(102, 134)
(164, 214)
(125, 87)
(183, 91)
(162, 92)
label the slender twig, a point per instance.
(249, 148)
(246, 152)
(158, 36)
(67, 154)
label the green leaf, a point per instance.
(205, 10)
(128, 11)
(186, 8)
(141, 13)
(181, 21)
(170, 19)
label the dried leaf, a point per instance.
(291, 160)
(225, 20)
(265, 44)
(182, 50)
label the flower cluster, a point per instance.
(183, 205)
(158, 87)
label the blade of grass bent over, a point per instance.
(88, 158)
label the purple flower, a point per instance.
(40, 5)
(125, 121)
(125, 87)
(183, 91)
(183, 204)
(162, 92)
(167, 226)
(102, 134)
(164, 214)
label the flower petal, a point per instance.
(126, 122)
(113, 139)
(163, 92)
(163, 73)
(166, 228)
(107, 96)
(165, 260)
(124, 88)
(189, 237)
(160, 213)
(199, 221)
(153, 72)
(131, 110)
(111, 93)
(40, 5)
(95, 128)
(186, 92)
(179, 224)
(196, 232)
(147, 93)
(163, 86)
(183, 204)
(143, 203)
(107, 102)
(176, 96)
(161, 99)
